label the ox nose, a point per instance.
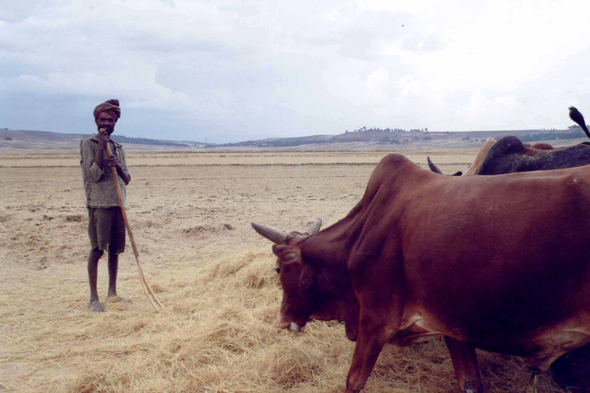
(292, 326)
(282, 323)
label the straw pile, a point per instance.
(218, 334)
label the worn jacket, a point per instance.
(98, 182)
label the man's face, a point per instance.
(107, 120)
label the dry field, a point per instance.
(191, 214)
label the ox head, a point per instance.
(297, 278)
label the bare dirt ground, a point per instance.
(191, 214)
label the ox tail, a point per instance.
(576, 116)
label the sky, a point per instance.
(223, 71)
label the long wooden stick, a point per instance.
(146, 288)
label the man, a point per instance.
(106, 227)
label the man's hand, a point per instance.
(104, 139)
(113, 161)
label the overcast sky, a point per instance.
(230, 70)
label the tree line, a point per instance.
(576, 132)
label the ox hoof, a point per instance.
(472, 387)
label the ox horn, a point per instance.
(273, 235)
(315, 227)
(433, 166)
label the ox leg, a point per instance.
(465, 364)
(369, 344)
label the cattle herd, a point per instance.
(499, 263)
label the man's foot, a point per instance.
(119, 298)
(95, 306)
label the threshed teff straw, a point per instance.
(146, 288)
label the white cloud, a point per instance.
(333, 15)
(483, 110)
(377, 78)
(306, 67)
(133, 84)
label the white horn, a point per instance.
(315, 228)
(273, 235)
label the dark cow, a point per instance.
(509, 155)
(499, 263)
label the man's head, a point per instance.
(107, 114)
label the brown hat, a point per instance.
(109, 105)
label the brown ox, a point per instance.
(509, 155)
(499, 263)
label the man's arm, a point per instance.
(88, 161)
(125, 169)
(113, 161)
(120, 165)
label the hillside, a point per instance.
(27, 139)
(17, 140)
(412, 139)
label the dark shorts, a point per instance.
(106, 229)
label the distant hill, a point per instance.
(27, 139)
(412, 137)
(364, 138)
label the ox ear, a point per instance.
(287, 254)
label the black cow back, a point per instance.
(510, 155)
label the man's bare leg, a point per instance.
(93, 258)
(113, 270)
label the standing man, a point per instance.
(106, 227)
